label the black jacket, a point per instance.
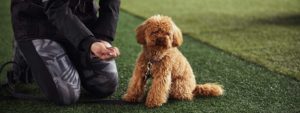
(73, 20)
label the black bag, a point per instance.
(19, 73)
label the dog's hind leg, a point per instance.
(182, 89)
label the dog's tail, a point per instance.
(208, 89)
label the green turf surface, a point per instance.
(6, 33)
(249, 87)
(263, 31)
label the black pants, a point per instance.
(58, 71)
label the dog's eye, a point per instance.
(153, 33)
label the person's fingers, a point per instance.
(111, 54)
(101, 52)
(100, 55)
(103, 55)
(108, 57)
(115, 51)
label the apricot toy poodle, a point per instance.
(160, 59)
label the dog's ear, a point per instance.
(140, 34)
(177, 36)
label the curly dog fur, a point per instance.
(171, 73)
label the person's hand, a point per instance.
(104, 51)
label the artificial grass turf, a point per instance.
(266, 32)
(5, 32)
(249, 88)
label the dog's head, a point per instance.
(159, 31)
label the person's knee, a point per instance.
(111, 86)
(103, 85)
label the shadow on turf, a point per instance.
(282, 20)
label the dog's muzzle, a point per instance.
(160, 42)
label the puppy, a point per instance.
(171, 73)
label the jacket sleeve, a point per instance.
(61, 16)
(108, 18)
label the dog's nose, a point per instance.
(159, 41)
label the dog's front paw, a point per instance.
(130, 98)
(153, 102)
